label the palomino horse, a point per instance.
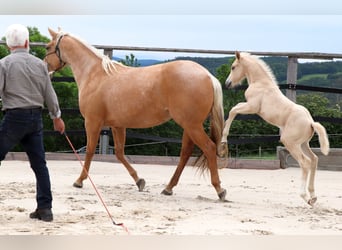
(118, 96)
(295, 122)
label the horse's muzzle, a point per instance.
(228, 84)
(51, 74)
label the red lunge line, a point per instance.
(92, 183)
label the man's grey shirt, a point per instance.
(25, 83)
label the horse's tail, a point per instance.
(216, 121)
(217, 114)
(322, 137)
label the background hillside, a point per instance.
(327, 74)
(323, 74)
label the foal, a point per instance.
(295, 122)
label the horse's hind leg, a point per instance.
(314, 161)
(186, 151)
(208, 147)
(119, 135)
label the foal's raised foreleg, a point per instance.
(186, 151)
(240, 108)
(119, 135)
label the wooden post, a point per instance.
(104, 141)
(104, 136)
(292, 66)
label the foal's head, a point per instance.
(237, 71)
(251, 67)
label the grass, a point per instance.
(308, 77)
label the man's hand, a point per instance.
(58, 125)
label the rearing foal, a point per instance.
(114, 95)
(295, 122)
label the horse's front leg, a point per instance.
(119, 135)
(240, 108)
(93, 134)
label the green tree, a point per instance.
(319, 105)
(3, 51)
(130, 60)
(36, 36)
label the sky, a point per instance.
(245, 25)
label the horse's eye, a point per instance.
(233, 67)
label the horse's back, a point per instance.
(148, 96)
(189, 87)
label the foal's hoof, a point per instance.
(77, 185)
(312, 201)
(223, 150)
(222, 195)
(165, 192)
(141, 184)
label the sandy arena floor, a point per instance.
(259, 202)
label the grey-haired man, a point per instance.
(25, 87)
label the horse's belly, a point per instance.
(140, 120)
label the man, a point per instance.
(24, 88)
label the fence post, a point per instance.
(104, 136)
(292, 65)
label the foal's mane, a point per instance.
(107, 64)
(263, 65)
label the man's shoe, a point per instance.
(44, 214)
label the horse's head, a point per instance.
(53, 56)
(237, 72)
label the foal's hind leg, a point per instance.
(186, 151)
(305, 164)
(119, 135)
(314, 161)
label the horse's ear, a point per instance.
(237, 55)
(52, 33)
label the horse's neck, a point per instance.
(82, 61)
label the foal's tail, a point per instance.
(216, 121)
(322, 137)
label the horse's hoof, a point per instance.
(165, 192)
(77, 185)
(222, 195)
(141, 184)
(312, 201)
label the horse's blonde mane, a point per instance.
(263, 65)
(108, 65)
